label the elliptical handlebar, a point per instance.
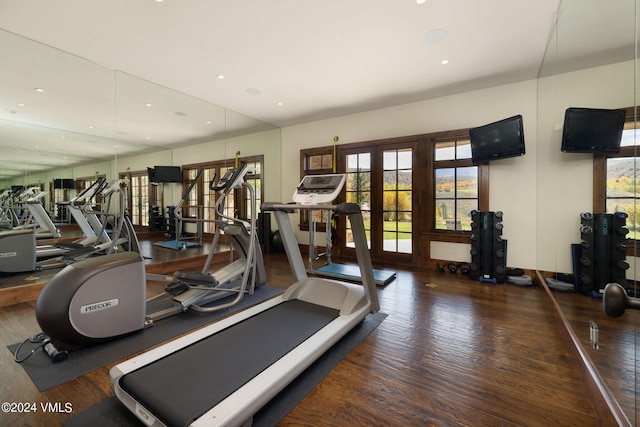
(83, 197)
(230, 180)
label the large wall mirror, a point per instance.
(591, 62)
(63, 116)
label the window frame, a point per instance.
(483, 175)
(240, 206)
(424, 231)
(600, 169)
(305, 169)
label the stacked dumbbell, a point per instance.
(603, 251)
(488, 252)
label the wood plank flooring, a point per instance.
(451, 352)
(616, 354)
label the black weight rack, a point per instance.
(488, 248)
(603, 251)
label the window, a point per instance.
(139, 193)
(412, 190)
(254, 179)
(616, 186)
(316, 161)
(456, 185)
(237, 203)
(397, 200)
(358, 186)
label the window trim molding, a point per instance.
(600, 166)
(423, 191)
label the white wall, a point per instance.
(541, 193)
(512, 181)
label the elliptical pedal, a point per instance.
(195, 275)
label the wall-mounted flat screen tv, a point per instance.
(592, 130)
(64, 183)
(168, 174)
(497, 140)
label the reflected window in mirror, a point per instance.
(141, 196)
(615, 177)
(237, 203)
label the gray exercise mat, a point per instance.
(111, 412)
(46, 374)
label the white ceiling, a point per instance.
(318, 59)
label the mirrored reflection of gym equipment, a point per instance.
(110, 231)
(23, 210)
(175, 216)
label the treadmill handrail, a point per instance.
(354, 213)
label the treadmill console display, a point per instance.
(317, 189)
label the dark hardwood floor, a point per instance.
(615, 355)
(451, 352)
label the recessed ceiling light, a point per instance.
(444, 61)
(90, 127)
(20, 104)
(148, 138)
(421, 1)
(437, 35)
(279, 104)
(148, 104)
(208, 122)
(220, 76)
(37, 89)
(253, 91)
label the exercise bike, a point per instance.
(103, 298)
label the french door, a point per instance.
(380, 180)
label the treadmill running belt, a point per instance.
(185, 384)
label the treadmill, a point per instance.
(224, 373)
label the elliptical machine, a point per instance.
(195, 290)
(101, 299)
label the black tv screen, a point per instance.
(497, 140)
(168, 174)
(64, 183)
(592, 130)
